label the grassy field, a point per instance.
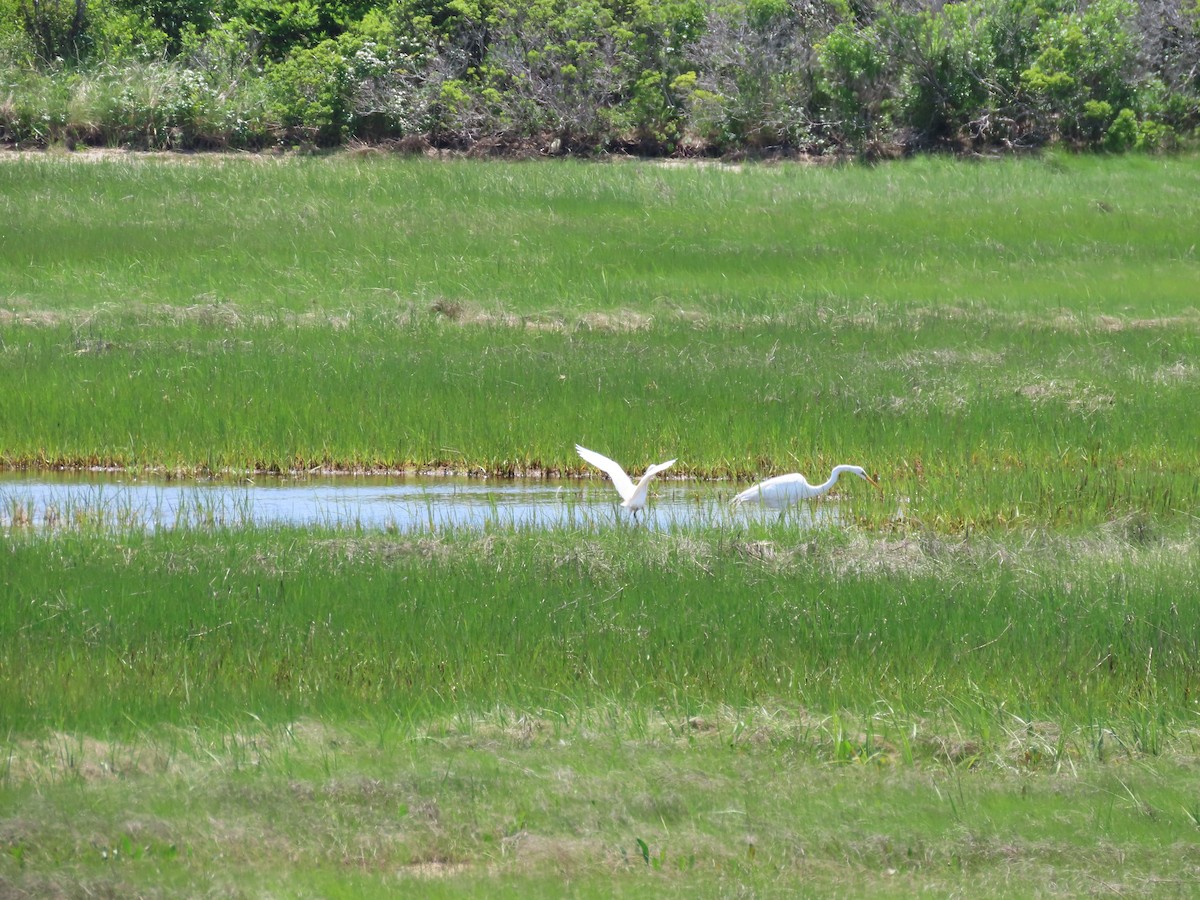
(565, 239)
(323, 714)
(567, 618)
(997, 340)
(984, 682)
(515, 805)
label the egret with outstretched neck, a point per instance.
(784, 490)
(633, 497)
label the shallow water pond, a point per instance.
(404, 503)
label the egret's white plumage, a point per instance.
(784, 490)
(633, 497)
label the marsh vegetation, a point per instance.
(982, 678)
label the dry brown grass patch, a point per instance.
(1177, 373)
(433, 869)
(865, 556)
(1079, 397)
(370, 548)
(62, 757)
(624, 320)
(20, 313)
(1115, 323)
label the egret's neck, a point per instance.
(833, 477)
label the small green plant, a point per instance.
(1122, 134)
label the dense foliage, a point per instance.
(669, 77)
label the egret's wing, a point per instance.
(658, 467)
(611, 468)
(750, 493)
(782, 490)
(644, 482)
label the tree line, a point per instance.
(661, 77)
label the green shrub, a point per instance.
(16, 49)
(160, 25)
(655, 113)
(662, 76)
(948, 67)
(656, 41)
(853, 80)
(1084, 57)
(33, 107)
(754, 84)
(59, 31)
(141, 105)
(279, 26)
(311, 91)
(1122, 134)
(567, 67)
(1152, 136)
(127, 37)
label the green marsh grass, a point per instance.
(982, 681)
(1096, 234)
(513, 805)
(1003, 342)
(300, 712)
(188, 626)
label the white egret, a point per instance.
(784, 490)
(633, 497)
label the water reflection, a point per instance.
(402, 503)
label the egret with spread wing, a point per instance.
(633, 497)
(784, 490)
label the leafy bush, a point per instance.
(566, 66)
(311, 92)
(143, 105)
(128, 36)
(16, 50)
(659, 76)
(160, 24)
(855, 82)
(1084, 59)
(33, 107)
(949, 68)
(1122, 134)
(754, 79)
(58, 30)
(280, 28)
